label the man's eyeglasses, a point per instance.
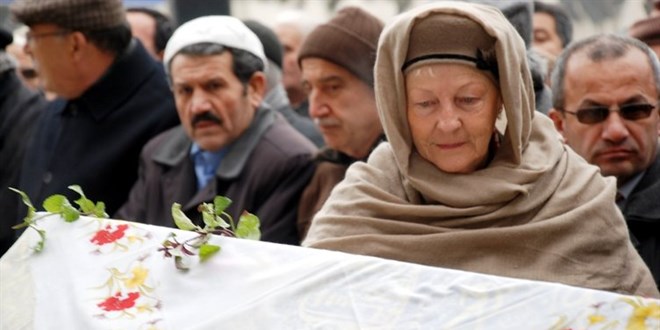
(598, 114)
(29, 37)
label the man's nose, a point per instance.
(614, 128)
(318, 106)
(199, 102)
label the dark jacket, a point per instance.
(331, 167)
(95, 140)
(263, 172)
(19, 109)
(642, 213)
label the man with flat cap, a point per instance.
(113, 97)
(20, 106)
(230, 142)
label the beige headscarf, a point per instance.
(537, 211)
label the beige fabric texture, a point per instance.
(537, 211)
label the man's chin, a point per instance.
(621, 170)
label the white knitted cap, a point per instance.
(223, 30)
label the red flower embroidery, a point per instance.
(105, 236)
(116, 303)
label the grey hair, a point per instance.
(599, 48)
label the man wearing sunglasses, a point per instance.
(605, 101)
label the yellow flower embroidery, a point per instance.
(596, 318)
(641, 313)
(139, 276)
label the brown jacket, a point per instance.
(264, 172)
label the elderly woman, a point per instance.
(471, 177)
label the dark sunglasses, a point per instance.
(598, 114)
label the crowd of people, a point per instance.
(473, 135)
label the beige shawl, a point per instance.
(538, 211)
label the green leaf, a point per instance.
(99, 210)
(248, 226)
(207, 214)
(180, 218)
(86, 205)
(55, 203)
(221, 203)
(77, 189)
(221, 222)
(40, 245)
(27, 202)
(180, 263)
(69, 213)
(21, 225)
(206, 251)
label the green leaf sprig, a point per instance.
(58, 204)
(217, 222)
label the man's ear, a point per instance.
(558, 119)
(78, 44)
(257, 88)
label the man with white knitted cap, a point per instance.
(229, 142)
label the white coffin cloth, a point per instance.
(109, 274)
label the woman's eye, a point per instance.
(424, 104)
(424, 107)
(468, 101)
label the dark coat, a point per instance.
(642, 213)
(19, 109)
(263, 172)
(331, 167)
(95, 140)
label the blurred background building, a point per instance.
(589, 16)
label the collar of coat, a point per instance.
(643, 201)
(127, 74)
(177, 148)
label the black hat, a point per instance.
(5, 38)
(272, 45)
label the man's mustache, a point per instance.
(206, 116)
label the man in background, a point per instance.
(605, 105)
(152, 28)
(113, 97)
(276, 95)
(292, 28)
(340, 85)
(20, 107)
(553, 30)
(230, 142)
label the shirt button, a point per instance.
(48, 177)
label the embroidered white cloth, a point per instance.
(109, 274)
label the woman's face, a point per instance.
(451, 110)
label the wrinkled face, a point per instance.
(215, 108)
(451, 120)
(620, 147)
(143, 27)
(545, 34)
(343, 107)
(291, 40)
(51, 49)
